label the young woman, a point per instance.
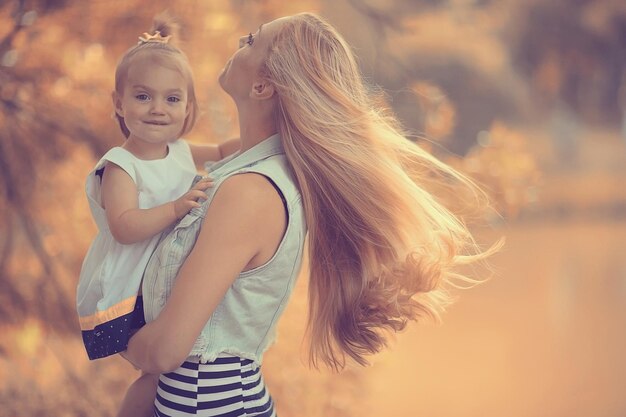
(318, 154)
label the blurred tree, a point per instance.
(35, 131)
(452, 45)
(572, 51)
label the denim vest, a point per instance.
(244, 322)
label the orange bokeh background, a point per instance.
(528, 97)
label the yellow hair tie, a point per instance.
(153, 38)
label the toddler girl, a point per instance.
(138, 190)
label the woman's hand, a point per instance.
(123, 355)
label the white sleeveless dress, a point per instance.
(110, 278)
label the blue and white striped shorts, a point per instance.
(227, 387)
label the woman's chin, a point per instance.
(222, 76)
(220, 80)
(226, 66)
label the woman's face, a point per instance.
(242, 69)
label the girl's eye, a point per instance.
(142, 97)
(173, 99)
(250, 40)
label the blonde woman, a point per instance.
(317, 154)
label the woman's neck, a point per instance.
(256, 123)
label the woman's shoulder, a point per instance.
(250, 188)
(247, 213)
(247, 201)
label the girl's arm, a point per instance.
(130, 224)
(242, 229)
(213, 152)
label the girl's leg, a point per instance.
(139, 399)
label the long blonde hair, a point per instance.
(382, 249)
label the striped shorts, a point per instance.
(227, 387)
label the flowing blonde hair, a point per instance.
(382, 249)
(167, 54)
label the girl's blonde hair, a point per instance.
(383, 250)
(166, 54)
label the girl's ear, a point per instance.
(261, 90)
(117, 103)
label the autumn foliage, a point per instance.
(487, 86)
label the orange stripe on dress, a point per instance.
(123, 307)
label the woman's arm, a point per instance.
(242, 229)
(213, 152)
(130, 224)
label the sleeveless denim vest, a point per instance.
(244, 322)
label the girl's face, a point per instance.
(153, 103)
(242, 69)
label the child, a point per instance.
(138, 190)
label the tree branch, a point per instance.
(8, 39)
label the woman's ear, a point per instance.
(117, 103)
(261, 90)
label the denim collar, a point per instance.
(262, 150)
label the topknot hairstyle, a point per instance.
(161, 45)
(167, 25)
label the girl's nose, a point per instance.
(158, 107)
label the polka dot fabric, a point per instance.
(112, 337)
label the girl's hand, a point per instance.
(189, 200)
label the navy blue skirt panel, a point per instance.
(112, 337)
(228, 387)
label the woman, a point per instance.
(317, 153)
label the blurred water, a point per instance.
(545, 338)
